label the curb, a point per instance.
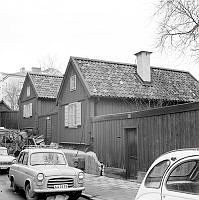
(88, 196)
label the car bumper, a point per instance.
(4, 166)
(59, 190)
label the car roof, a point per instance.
(40, 149)
(3, 148)
(178, 154)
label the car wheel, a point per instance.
(30, 195)
(75, 195)
(13, 186)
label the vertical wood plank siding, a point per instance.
(159, 131)
(54, 126)
(10, 119)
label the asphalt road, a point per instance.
(7, 194)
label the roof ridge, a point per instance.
(103, 61)
(127, 64)
(40, 74)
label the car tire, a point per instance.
(30, 195)
(13, 186)
(75, 195)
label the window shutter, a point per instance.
(67, 116)
(78, 114)
(24, 111)
(73, 82)
(72, 115)
(30, 110)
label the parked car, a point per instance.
(174, 175)
(5, 160)
(45, 172)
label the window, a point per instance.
(25, 159)
(20, 159)
(27, 110)
(154, 177)
(73, 115)
(28, 91)
(73, 82)
(184, 177)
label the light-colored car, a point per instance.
(172, 176)
(5, 160)
(45, 172)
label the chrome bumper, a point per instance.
(48, 190)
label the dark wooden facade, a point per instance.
(48, 126)
(91, 107)
(40, 107)
(152, 132)
(9, 119)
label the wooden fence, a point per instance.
(157, 131)
(9, 119)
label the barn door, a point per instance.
(131, 152)
(48, 130)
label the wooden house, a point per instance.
(93, 88)
(38, 98)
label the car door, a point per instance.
(182, 180)
(23, 173)
(17, 169)
(150, 188)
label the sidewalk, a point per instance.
(106, 188)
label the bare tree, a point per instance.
(178, 25)
(12, 92)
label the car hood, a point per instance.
(56, 170)
(6, 158)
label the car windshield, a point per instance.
(47, 158)
(3, 152)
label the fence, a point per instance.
(9, 119)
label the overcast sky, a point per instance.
(114, 30)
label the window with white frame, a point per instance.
(28, 91)
(73, 82)
(73, 115)
(27, 110)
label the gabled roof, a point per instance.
(4, 106)
(45, 86)
(120, 80)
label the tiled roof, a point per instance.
(110, 79)
(46, 86)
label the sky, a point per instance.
(31, 31)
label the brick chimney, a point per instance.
(36, 69)
(143, 65)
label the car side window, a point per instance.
(25, 159)
(20, 158)
(184, 177)
(154, 177)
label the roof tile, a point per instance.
(46, 86)
(110, 79)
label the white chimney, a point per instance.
(36, 69)
(143, 65)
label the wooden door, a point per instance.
(131, 152)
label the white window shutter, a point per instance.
(30, 110)
(67, 116)
(78, 114)
(24, 110)
(74, 82)
(72, 115)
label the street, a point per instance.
(7, 194)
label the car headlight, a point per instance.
(40, 177)
(14, 161)
(80, 176)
